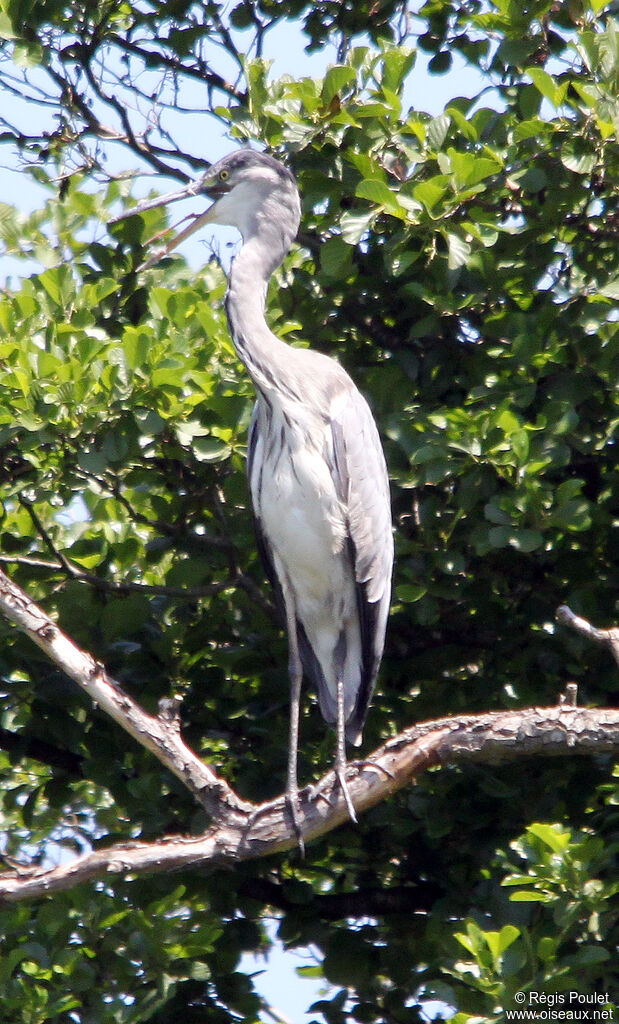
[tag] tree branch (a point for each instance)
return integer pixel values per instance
(264, 829)
(242, 830)
(334, 906)
(607, 637)
(157, 58)
(74, 572)
(160, 735)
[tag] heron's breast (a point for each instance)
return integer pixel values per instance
(295, 498)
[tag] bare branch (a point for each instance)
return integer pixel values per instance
(242, 830)
(158, 734)
(235, 578)
(157, 58)
(607, 637)
(63, 561)
(74, 572)
(265, 829)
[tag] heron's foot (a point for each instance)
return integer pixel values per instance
(340, 774)
(374, 766)
(258, 811)
(294, 810)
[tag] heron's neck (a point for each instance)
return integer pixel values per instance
(264, 355)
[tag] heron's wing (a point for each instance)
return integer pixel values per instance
(253, 466)
(361, 476)
(254, 471)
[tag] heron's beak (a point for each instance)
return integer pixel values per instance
(200, 187)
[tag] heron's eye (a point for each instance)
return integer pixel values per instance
(224, 175)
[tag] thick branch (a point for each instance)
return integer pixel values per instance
(242, 830)
(265, 829)
(160, 735)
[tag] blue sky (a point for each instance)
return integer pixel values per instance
(285, 48)
(276, 979)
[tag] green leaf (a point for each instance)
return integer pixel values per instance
(553, 836)
(336, 79)
(520, 445)
(409, 593)
(336, 257)
(469, 169)
(189, 572)
(57, 283)
(355, 225)
(93, 462)
(610, 290)
(379, 193)
(531, 179)
(533, 128)
(137, 343)
(458, 250)
(521, 539)
(547, 948)
(498, 942)
(126, 616)
(589, 956)
(257, 71)
(608, 49)
(547, 86)
(210, 449)
(28, 55)
(530, 896)
(440, 62)
(578, 157)
(397, 63)
(437, 130)
(430, 193)
(97, 292)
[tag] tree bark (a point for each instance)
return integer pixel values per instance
(242, 830)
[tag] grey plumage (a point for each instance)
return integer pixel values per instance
(316, 468)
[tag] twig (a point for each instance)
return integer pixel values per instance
(156, 57)
(231, 582)
(76, 572)
(37, 563)
(64, 562)
(169, 529)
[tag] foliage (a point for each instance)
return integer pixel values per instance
(464, 269)
(561, 944)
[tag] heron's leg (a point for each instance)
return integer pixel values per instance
(292, 785)
(340, 754)
(295, 671)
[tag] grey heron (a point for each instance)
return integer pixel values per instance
(316, 468)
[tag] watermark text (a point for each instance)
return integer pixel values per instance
(559, 1006)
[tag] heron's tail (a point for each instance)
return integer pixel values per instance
(354, 733)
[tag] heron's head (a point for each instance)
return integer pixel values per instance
(250, 191)
(246, 184)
